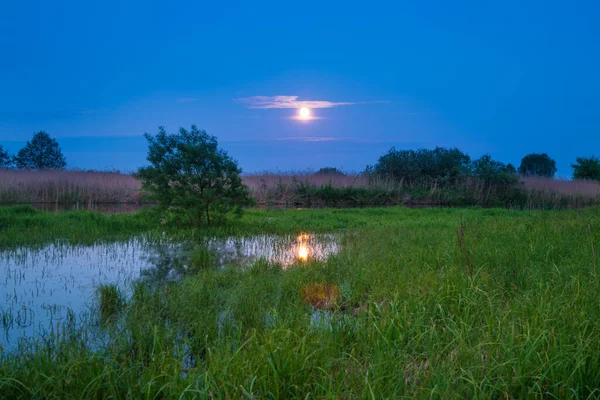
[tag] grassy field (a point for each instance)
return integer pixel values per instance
(86, 189)
(443, 303)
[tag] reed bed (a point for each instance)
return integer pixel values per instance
(256, 181)
(304, 189)
(562, 186)
(308, 189)
(546, 193)
(68, 187)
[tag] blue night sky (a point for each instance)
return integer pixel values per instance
(505, 79)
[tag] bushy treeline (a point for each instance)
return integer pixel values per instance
(433, 177)
(442, 166)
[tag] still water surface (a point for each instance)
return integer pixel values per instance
(44, 288)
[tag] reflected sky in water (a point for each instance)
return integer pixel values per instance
(43, 288)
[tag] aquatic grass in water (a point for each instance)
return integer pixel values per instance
(200, 258)
(43, 286)
(111, 301)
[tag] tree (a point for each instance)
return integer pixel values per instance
(586, 168)
(537, 164)
(191, 176)
(329, 171)
(440, 164)
(494, 173)
(6, 160)
(42, 152)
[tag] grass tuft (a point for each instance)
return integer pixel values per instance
(320, 295)
(111, 301)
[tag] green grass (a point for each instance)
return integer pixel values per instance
(502, 305)
(110, 301)
(24, 225)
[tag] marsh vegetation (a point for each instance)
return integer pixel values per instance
(119, 192)
(189, 173)
(414, 302)
(196, 297)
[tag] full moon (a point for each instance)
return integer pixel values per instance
(304, 113)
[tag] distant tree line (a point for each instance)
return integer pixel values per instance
(450, 166)
(42, 152)
(440, 165)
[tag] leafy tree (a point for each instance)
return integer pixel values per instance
(537, 164)
(494, 173)
(329, 171)
(6, 160)
(440, 164)
(191, 176)
(42, 152)
(586, 168)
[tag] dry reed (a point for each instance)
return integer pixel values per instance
(68, 187)
(303, 189)
(562, 186)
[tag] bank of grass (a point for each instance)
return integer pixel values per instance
(25, 225)
(443, 303)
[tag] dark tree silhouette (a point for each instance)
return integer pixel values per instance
(42, 152)
(329, 171)
(6, 161)
(494, 173)
(439, 164)
(537, 164)
(586, 168)
(190, 176)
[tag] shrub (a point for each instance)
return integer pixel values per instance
(330, 171)
(494, 173)
(410, 166)
(192, 177)
(537, 164)
(586, 168)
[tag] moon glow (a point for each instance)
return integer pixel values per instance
(304, 113)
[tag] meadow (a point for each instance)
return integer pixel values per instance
(442, 303)
(292, 189)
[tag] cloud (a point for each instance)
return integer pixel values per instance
(288, 102)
